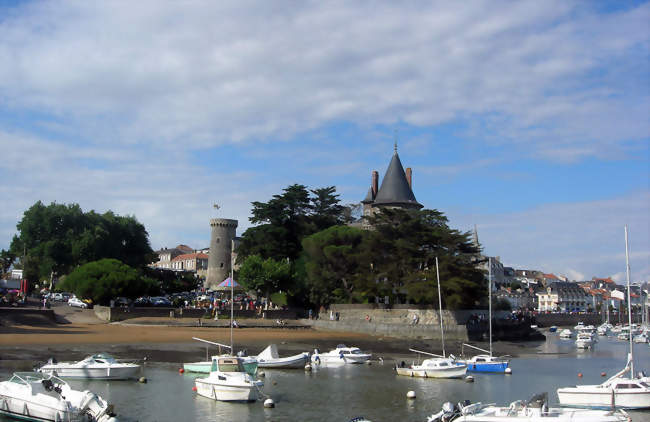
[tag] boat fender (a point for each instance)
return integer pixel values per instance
(269, 403)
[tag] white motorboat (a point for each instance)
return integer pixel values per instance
(341, 355)
(100, 366)
(228, 381)
(205, 366)
(34, 396)
(641, 338)
(625, 393)
(269, 358)
(534, 410)
(437, 367)
(584, 341)
(604, 329)
(566, 333)
(628, 393)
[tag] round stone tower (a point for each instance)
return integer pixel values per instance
(223, 232)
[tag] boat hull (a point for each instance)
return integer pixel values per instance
(297, 361)
(102, 373)
(497, 367)
(33, 411)
(593, 399)
(222, 392)
(451, 372)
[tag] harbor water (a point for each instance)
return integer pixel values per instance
(373, 391)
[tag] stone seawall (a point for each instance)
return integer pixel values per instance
(419, 331)
(567, 320)
(108, 314)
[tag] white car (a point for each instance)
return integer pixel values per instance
(73, 301)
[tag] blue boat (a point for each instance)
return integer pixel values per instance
(486, 363)
(552, 329)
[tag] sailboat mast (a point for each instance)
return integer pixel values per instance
(442, 331)
(232, 293)
(490, 300)
(629, 303)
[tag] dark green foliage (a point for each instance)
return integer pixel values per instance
(332, 264)
(265, 275)
(59, 237)
(395, 259)
(171, 281)
(286, 219)
(6, 259)
(502, 305)
(107, 279)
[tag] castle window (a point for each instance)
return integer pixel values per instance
(221, 266)
(218, 240)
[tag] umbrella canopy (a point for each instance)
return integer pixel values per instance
(227, 284)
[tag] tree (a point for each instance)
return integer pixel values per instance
(286, 219)
(265, 275)
(333, 264)
(106, 279)
(6, 260)
(57, 238)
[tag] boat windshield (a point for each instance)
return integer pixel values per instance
(230, 365)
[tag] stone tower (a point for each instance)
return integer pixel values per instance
(223, 232)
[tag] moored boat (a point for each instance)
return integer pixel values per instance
(534, 410)
(269, 358)
(228, 381)
(99, 366)
(341, 355)
(435, 367)
(34, 396)
(566, 333)
(584, 341)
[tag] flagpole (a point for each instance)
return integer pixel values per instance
(232, 293)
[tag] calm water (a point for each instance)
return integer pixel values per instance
(373, 391)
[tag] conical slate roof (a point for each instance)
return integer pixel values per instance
(368, 199)
(395, 189)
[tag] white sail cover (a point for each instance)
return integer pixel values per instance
(271, 352)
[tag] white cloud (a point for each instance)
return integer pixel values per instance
(579, 240)
(161, 72)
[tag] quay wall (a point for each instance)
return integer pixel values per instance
(109, 314)
(398, 321)
(567, 320)
(25, 315)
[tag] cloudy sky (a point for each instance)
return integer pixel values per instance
(529, 119)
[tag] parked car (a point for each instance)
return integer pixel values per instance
(78, 303)
(160, 301)
(57, 297)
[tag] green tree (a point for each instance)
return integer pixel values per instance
(59, 237)
(6, 260)
(326, 209)
(265, 275)
(333, 264)
(106, 279)
(402, 249)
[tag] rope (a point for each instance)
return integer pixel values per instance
(261, 393)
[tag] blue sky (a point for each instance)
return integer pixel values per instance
(529, 120)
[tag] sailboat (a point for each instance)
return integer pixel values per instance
(228, 379)
(438, 366)
(619, 392)
(487, 363)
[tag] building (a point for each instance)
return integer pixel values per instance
(222, 237)
(489, 264)
(196, 262)
(166, 256)
(563, 297)
(396, 190)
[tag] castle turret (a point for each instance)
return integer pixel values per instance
(223, 232)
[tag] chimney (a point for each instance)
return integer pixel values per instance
(375, 183)
(409, 174)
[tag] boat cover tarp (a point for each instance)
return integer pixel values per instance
(271, 352)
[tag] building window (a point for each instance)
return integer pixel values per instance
(218, 240)
(221, 266)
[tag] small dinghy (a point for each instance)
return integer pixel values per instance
(33, 396)
(269, 358)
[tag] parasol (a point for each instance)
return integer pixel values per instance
(229, 283)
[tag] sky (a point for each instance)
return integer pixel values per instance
(529, 120)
